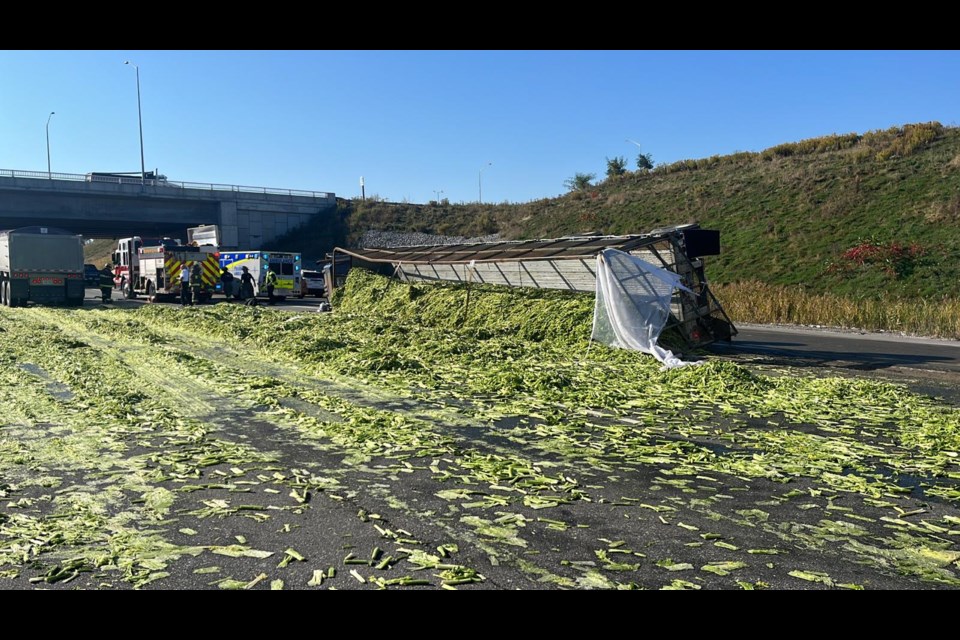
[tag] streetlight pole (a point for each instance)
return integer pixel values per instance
(49, 176)
(143, 170)
(480, 182)
(438, 194)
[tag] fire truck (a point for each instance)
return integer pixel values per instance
(126, 261)
(159, 273)
(153, 270)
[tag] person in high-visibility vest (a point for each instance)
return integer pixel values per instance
(271, 281)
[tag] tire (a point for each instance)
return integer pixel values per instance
(151, 292)
(4, 286)
(8, 297)
(128, 291)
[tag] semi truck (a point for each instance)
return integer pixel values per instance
(42, 265)
(287, 265)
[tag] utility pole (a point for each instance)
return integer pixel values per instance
(143, 169)
(49, 176)
(480, 182)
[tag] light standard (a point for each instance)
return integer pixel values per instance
(49, 177)
(438, 194)
(143, 171)
(480, 182)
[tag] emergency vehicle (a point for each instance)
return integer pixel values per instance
(126, 261)
(154, 271)
(159, 275)
(287, 266)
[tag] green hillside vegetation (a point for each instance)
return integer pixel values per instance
(99, 251)
(861, 215)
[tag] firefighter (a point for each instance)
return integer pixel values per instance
(106, 282)
(271, 281)
(185, 298)
(226, 279)
(246, 285)
(196, 282)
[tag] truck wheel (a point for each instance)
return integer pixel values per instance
(151, 292)
(3, 294)
(128, 291)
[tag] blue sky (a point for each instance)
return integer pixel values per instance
(414, 123)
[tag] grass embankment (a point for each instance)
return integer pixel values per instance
(99, 252)
(757, 302)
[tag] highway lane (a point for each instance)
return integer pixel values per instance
(847, 349)
(928, 366)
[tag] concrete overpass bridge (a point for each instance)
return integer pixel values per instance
(112, 206)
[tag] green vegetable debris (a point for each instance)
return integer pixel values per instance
(489, 450)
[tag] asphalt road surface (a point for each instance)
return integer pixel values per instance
(849, 349)
(926, 365)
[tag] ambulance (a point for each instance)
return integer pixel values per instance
(287, 265)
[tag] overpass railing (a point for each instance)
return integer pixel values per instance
(161, 182)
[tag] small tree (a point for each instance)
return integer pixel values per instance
(616, 166)
(644, 162)
(580, 181)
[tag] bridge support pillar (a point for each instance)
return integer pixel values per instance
(229, 231)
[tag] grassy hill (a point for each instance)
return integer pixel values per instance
(862, 215)
(99, 251)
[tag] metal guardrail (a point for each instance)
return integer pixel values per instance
(203, 186)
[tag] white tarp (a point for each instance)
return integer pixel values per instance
(633, 304)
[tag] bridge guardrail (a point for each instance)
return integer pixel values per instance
(203, 186)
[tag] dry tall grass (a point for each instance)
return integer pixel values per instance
(768, 304)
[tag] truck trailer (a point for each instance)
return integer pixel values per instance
(42, 265)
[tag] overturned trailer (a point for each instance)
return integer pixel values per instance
(571, 263)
